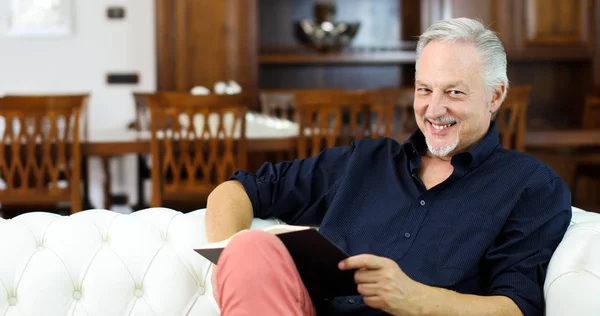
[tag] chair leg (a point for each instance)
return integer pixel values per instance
(107, 182)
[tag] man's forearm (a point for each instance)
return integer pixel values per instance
(442, 302)
(228, 211)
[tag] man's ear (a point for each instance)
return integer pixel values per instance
(496, 100)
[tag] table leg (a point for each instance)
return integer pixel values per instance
(85, 175)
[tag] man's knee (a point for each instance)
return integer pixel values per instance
(251, 245)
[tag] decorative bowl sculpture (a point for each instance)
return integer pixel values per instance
(323, 33)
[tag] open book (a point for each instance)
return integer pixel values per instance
(315, 256)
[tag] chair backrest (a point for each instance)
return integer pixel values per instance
(329, 118)
(197, 142)
(511, 118)
(591, 112)
(40, 157)
(279, 103)
(142, 116)
(401, 116)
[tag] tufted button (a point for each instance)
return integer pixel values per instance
(139, 293)
(12, 301)
(76, 294)
(201, 290)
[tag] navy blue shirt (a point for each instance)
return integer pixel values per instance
(489, 229)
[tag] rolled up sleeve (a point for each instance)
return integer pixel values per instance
(295, 191)
(518, 260)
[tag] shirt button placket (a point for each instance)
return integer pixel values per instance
(422, 202)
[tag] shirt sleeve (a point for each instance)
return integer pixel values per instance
(298, 191)
(519, 258)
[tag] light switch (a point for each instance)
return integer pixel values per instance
(115, 13)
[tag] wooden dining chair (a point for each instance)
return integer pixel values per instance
(400, 116)
(330, 118)
(511, 118)
(40, 156)
(278, 103)
(197, 142)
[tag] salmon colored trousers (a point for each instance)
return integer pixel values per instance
(257, 276)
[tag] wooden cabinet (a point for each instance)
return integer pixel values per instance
(561, 30)
(556, 23)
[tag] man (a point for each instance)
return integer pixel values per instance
(448, 223)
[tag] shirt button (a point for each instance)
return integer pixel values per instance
(422, 202)
(351, 301)
(407, 235)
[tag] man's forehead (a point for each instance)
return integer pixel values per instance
(445, 82)
(449, 58)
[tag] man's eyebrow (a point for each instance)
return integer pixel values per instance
(456, 84)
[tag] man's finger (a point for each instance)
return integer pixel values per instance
(368, 289)
(366, 276)
(370, 262)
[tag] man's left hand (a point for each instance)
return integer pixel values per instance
(384, 285)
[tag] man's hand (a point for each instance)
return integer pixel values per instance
(384, 285)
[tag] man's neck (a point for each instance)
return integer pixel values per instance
(438, 159)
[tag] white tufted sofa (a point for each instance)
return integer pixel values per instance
(98, 262)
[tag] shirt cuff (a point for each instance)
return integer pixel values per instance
(528, 296)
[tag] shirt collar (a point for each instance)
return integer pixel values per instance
(468, 160)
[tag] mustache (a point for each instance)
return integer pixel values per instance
(443, 119)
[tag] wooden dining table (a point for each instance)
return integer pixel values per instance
(269, 134)
(123, 141)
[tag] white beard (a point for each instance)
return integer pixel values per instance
(444, 150)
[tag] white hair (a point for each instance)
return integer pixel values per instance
(471, 31)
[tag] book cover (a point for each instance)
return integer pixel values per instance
(315, 256)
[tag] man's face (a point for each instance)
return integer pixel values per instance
(452, 107)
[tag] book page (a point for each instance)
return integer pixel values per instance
(279, 229)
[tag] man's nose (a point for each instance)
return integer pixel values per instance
(436, 107)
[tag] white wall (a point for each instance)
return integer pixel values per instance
(80, 63)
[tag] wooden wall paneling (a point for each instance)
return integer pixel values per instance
(206, 43)
(410, 13)
(165, 41)
(596, 21)
(202, 42)
(242, 51)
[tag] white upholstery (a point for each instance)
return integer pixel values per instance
(573, 281)
(98, 262)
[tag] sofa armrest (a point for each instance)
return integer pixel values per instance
(573, 278)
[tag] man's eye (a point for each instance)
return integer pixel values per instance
(455, 93)
(423, 90)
